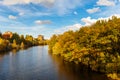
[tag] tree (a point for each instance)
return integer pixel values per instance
(15, 37)
(14, 44)
(22, 45)
(4, 44)
(0, 34)
(29, 40)
(52, 42)
(96, 46)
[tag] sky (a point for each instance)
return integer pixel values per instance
(48, 17)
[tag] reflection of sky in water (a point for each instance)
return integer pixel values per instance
(36, 64)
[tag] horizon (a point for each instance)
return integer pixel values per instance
(48, 17)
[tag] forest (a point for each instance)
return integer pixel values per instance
(96, 46)
(9, 41)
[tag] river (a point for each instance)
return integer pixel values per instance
(36, 63)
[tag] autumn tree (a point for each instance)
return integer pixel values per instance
(14, 44)
(0, 34)
(15, 37)
(96, 46)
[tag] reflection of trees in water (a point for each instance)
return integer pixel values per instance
(12, 52)
(1, 55)
(71, 71)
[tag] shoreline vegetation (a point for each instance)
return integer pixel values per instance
(10, 41)
(96, 46)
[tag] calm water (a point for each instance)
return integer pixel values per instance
(37, 64)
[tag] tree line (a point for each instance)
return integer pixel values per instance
(17, 41)
(96, 46)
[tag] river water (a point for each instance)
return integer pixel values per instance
(37, 64)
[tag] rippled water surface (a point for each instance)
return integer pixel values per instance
(37, 64)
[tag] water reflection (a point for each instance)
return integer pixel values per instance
(36, 64)
(70, 71)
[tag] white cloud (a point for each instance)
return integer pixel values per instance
(6, 22)
(28, 12)
(110, 17)
(14, 2)
(40, 22)
(117, 15)
(21, 14)
(73, 27)
(39, 14)
(66, 28)
(60, 7)
(12, 17)
(64, 6)
(75, 13)
(110, 10)
(106, 3)
(88, 21)
(93, 10)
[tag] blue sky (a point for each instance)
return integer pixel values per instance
(48, 17)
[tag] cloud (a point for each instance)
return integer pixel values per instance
(93, 10)
(110, 17)
(21, 14)
(6, 22)
(60, 7)
(41, 22)
(27, 11)
(64, 6)
(88, 21)
(14, 2)
(73, 27)
(40, 14)
(66, 28)
(75, 13)
(110, 10)
(105, 3)
(12, 17)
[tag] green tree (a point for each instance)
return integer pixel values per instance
(15, 37)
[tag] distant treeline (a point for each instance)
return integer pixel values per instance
(9, 41)
(96, 46)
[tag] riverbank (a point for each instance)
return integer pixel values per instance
(9, 41)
